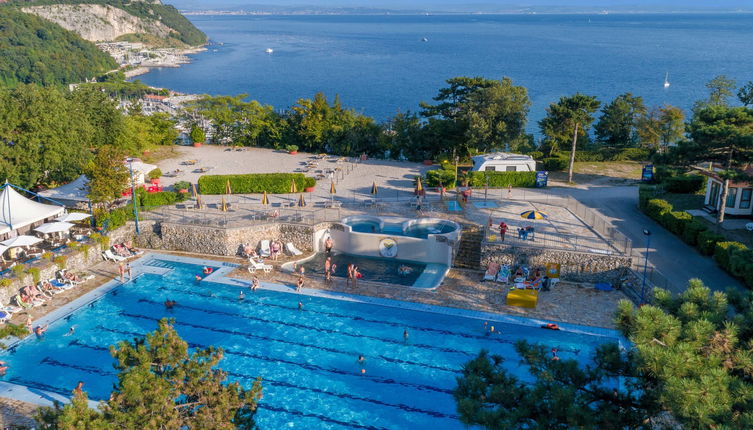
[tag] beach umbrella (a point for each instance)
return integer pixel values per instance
(54, 227)
(264, 199)
(228, 190)
(223, 204)
(374, 188)
(419, 186)
(332, 192)
(301, 201)
(73, 217)
(197, 196)
(22, 240)
(293, 188)
(534, 215)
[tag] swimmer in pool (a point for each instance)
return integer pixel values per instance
(361, 359)
(405, 335)
(241, 296)
(71, 331)
(300, 306)
(255, 284)
(39, 331)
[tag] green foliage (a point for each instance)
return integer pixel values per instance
(663, 172)
(47, 256)
(107, 174)
(502, 179)
(85, 250)
(38, 51)
(34, 272)
(656, 208)
(646, 193)
(562, 394)
(558, 127)
(273, 183)
(161, 198)
(691, 231)
(19, 271)
(182, 185)
(554, 164)
(660, 127)
(155, 173)
(685, 184)
(240, 122)
(676, 221)
(441, 177)
(723, 252)
(5, 282)
(197, 134)
(291, 148)
(707, 241)
(694, 350)
(60, 261)
(114, 218)
(536, 155)
(619, 121)
(161, 385)
(13, 330)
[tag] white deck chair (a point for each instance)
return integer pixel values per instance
(292, 250)
(108, 255)
(264, 249)
(253, 266)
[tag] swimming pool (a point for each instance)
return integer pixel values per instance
(419, 228)
(307, 358)
(373, 269)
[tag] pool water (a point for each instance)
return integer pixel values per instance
(373, 269)
(307, 358)
(421, 231)
(454, 206)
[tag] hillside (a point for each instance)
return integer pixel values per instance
(110, 20)
(35, 50)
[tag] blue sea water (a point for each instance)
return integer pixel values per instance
(307, 358)
(379, 64)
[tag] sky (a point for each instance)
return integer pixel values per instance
(471, 5)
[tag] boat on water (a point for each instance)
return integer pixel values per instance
(269, 50)
(424, 39)
(666, 80)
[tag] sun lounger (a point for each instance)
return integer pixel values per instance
(60, 284)
(491, 272)
(504, 274)
(292, 250)
(10, 309)
(253, 266)
(109, 256)
(264, 250)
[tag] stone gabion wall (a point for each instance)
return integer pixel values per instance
(575, 266)
(221, 241)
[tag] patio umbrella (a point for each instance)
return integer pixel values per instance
(293, 188)
(301, 201)
(534, 215)
(223, 205)
(332, 192)
(22, 240)
(374, 188)
(197, 196)
(73, 217)
(419, 186)
(264, 199)
(54, 227)
(228, 190)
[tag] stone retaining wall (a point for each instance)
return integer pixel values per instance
(575, 266)
(221, 241)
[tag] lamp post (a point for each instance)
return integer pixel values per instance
(647, 233)
(133, 196)
(486, 189)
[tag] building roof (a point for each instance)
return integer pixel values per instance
(502, 156)
(713, 174)
(17, 211)
(75, 191)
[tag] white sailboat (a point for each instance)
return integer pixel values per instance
(269, 50)
(666, 80)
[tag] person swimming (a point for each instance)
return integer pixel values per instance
(405, 335)
(361, 359)
(71, 331)
(554, 354)
(40, 330)
(169, 304)
(241, 296)
(404, 270)
(255, 284)
(198, 278)
(300, 306)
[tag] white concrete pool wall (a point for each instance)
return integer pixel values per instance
(435, 249)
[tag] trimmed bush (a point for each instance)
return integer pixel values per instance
(273, 183)
(182, 185)
(656, 208)
(60, 261)
(662, 173)
(161, 198)
(440, 177)
(691, 232)
(502, 179)
(646, 193)
(685, 184)
(554, 164)
(155, 173)
(723, 252)
(741, 265)
(707, 241)
(197, 135)
(676, 221)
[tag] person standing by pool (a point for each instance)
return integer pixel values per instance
(129, 271)
(29, 323)
(356, 275)
(328, 244)
(349, 279)
(509, 191)
(328, 269)
(121, 271)
(79, 390)
(299, 284)
(255, 284)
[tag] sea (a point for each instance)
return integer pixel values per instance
(382, 64)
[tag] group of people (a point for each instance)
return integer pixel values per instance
(523, 232)
(34, 295)
(125, 249)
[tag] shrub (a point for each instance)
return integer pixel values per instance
(19, 271)
(502, 179)
(273, 183)
(291, 148)
(646, 193)
(707, 241)
(631, 154)
(114, 218)
(85, 250)
(554, 164)
(60, 261)
(656, 208)
(441, 177)
(182, 185)
(691, 231)
(161, 198)
(723, 253)
(662, 173)
(685, 184)
(197, 134)
(155, 173)
(35, 274)
(676, 221)
(536, 155)
(741, 264)
(48, 256)
(101, 240)
(5, 283)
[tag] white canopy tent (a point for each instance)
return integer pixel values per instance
(17, 211)
(54, 227)
(22, 240)
(73, 217)
(75, 191)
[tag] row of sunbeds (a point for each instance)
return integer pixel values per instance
(36, 295)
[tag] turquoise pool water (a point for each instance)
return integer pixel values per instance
(421, 231)
(307, 358)
(373, 269)
(454, 206)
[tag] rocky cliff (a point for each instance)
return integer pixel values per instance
(99, 23)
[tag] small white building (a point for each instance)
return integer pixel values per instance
(739, 198)
(504, 162)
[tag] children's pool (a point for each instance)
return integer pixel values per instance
(384, 270)
(419, 228)
(307, 358)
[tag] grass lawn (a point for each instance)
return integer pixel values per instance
(607, 172)
(683, 202)
(160, 153)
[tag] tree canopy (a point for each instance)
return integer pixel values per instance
(619, 121)
(161, 385)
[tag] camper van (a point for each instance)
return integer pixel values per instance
(503, 162)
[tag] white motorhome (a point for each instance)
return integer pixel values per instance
(504, 162)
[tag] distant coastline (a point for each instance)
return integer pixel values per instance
(359, 12)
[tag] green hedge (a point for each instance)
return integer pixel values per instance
(161, 198)
(273, 183)
(691, 232)
(502, 179)
(741, 265)
(114, 218)
(676, 221)
(536, 155)
(723, 252)
(154, 173)
(554, 164)
(656, 208)
(707, 241)
(684, 184)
